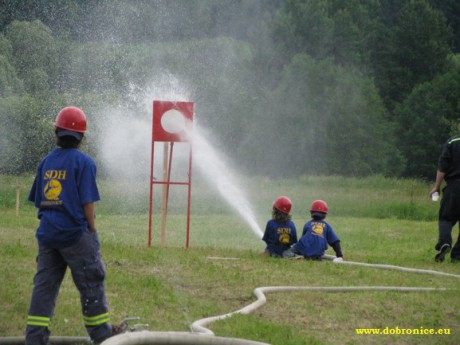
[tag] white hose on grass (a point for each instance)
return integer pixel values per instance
(199, 326)
(174, 338)
(202, 336)
(391, 267)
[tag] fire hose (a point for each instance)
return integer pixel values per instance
(199, 326)
(201, 335)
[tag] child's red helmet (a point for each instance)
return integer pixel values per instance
(283, 204)
(319, 206)
(72, 119)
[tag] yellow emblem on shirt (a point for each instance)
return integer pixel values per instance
(317, 228)
(53, 189)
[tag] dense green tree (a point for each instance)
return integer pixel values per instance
(10, 84)
(327, 29)
(324, 119)
(413, 51)
(388, 12)
(26, 132)
(427, 118)
(34, 53)
(271, 86)
(5, 47)
(62, 16)
(26, 127)
(150, 21)
(451, 10)
(404, 42)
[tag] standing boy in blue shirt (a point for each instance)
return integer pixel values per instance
(64, 191)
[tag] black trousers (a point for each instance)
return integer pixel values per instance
(449, 215)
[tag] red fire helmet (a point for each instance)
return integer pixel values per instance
(319, 206)
(283, 204)
(72, 119)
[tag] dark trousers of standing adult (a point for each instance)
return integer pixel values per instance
(449, 215)
(88, 273)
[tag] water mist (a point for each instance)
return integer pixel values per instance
(125, 154)
(216, 172)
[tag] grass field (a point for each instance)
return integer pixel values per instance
(385, 221)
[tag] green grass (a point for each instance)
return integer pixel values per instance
(371, 197)
(379, 220)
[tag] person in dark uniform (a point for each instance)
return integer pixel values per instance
(64, 191)
(449, 211)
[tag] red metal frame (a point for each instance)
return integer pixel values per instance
(158, 134)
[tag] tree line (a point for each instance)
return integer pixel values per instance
(288, 87)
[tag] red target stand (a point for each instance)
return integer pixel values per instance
(172, 122)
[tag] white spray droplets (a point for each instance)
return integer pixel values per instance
(213, 167)
(125, 147)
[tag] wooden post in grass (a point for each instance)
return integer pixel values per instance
(164, 206)
(18, 194)
(17, 186)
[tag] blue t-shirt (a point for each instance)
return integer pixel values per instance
(65, 181)
(316, 236)
(279, 236)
